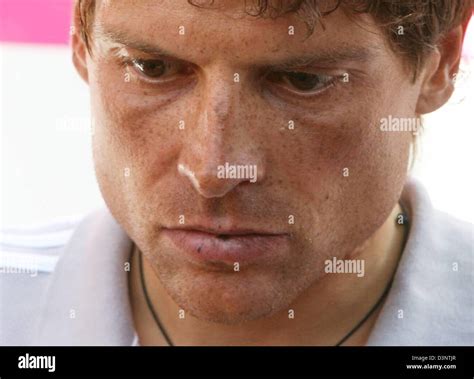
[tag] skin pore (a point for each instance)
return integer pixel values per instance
(302, 171)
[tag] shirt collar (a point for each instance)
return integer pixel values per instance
(88, 299)
(419, 309)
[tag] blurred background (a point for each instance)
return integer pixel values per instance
(46, 162)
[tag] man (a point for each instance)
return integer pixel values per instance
(255, 194)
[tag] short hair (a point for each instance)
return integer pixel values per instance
(412, 27)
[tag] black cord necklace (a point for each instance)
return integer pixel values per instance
(150, 305)
(344, 339)
(367, 316)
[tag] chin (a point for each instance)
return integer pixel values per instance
(229, 298)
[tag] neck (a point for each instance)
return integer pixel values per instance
(323, 314)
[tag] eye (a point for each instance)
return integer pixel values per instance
(159, 70)
(301, 81)
(150, 68)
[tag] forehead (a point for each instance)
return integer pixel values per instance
(227, 29)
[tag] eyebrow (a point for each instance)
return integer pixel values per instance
(342, 54)
(121, 38)
(336, 55)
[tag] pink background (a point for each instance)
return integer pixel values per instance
(35, 21)
(48, 22)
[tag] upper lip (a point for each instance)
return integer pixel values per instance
(226, 231)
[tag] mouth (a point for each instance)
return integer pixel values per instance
(233, 245)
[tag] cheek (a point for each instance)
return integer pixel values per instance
(337, 142)
(347, 169)
(326, 153)
(136, 136)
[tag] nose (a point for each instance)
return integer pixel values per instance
(220, 151)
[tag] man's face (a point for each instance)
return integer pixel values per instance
(327, 176)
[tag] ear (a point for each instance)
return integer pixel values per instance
(439, 71)
(79, 49)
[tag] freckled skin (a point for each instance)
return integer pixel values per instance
(300, 171)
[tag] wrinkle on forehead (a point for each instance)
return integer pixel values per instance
(231, 16)
(209, 35)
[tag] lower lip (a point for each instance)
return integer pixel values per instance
(237, 248)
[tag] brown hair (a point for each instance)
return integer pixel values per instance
(412, 27)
